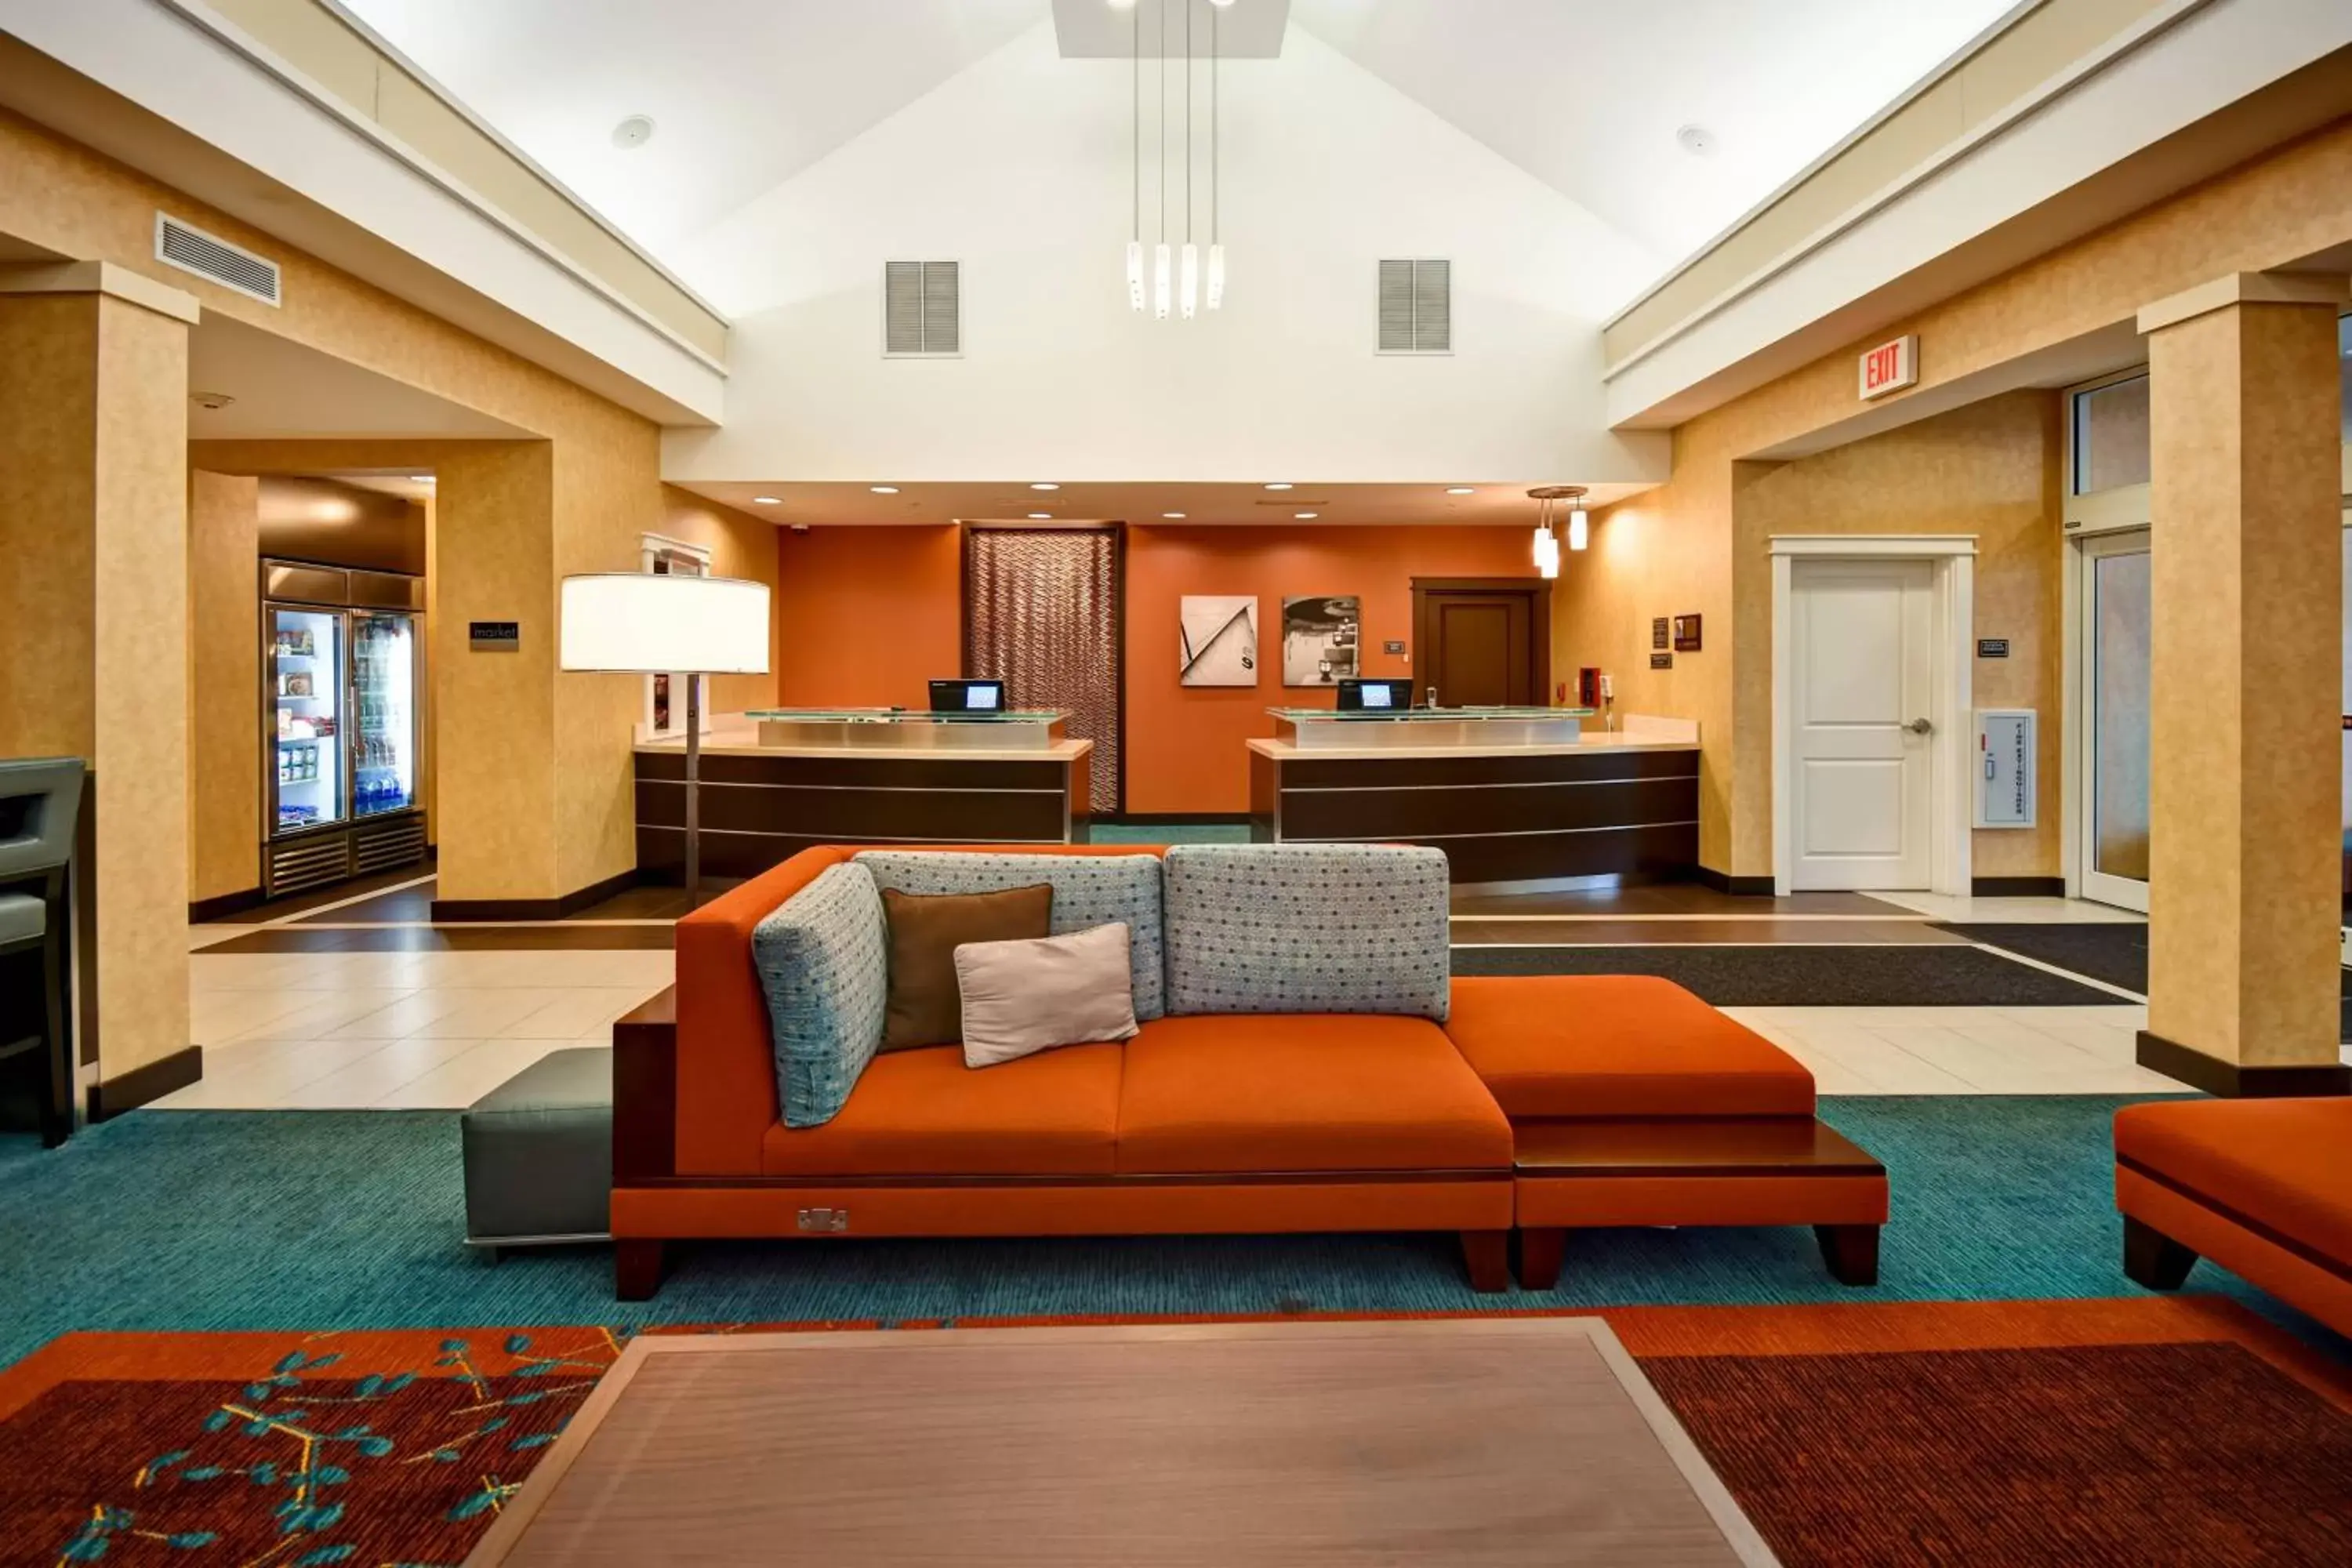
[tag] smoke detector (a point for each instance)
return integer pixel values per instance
(1695, 140)
(635, 132)
(215, 401)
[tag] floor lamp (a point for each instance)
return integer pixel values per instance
(651, 624)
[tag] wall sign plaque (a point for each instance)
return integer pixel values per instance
(1685, 634)
(494, 637)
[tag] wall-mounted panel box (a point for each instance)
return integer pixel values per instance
(2008, 741)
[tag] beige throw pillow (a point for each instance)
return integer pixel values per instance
(1022, 997)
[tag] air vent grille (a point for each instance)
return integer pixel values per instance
(308, 863)
(380, 847)
(209, 256)
(922, 309)
(1417, 306)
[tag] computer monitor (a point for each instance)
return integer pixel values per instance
(966, 697)
(1374, 696)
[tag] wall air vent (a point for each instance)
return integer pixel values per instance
(208, 255)
(922, 310)
(1416, 306)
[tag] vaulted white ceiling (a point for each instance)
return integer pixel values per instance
(1587, 95)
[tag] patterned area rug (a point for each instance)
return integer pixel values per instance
(2143, 1431)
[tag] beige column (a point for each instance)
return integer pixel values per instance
(93, 628)
(2245, 750)
(225, 636)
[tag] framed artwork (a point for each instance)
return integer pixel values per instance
(1319, 638)
(1219, 637)
(1687, 634)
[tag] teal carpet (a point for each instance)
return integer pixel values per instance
(335, 1219)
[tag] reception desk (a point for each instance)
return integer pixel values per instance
(1517, 798)
(776, 782)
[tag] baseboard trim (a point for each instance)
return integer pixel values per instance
(1723, 883)
(455, 911)
(2018, 887)
(1171, 818)
(203, 911)
(109, 1098)
(2229, 1080)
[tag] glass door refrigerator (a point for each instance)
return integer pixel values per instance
(341, 675)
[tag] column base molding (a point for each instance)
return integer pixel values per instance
(565, 908)
(109, 1098)
(2230, 1080)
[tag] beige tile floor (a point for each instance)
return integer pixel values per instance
(427, 1030)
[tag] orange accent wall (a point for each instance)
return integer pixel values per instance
(865, 617)
(1185, 749)
(868, 615)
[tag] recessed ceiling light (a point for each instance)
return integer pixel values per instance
(1040, 516)
(1697, 140)
(884, 489)
(768, 500)
(1222, 4)
(1173, 516)
(1279, 485)
(1044, 485)
(1122, 4)
(1459, 490)
(1307, 516)
(213, 400)
(635, 132)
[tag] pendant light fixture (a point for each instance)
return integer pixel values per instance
(1177, 280)
(1548, 500)
(1191, 270)
(1135, 239)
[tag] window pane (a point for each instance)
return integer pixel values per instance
(2119, 723)
(2111, 436)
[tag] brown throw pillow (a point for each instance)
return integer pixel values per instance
(924, 1008)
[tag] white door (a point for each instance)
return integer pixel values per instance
(2116, 619)
(1861, 687)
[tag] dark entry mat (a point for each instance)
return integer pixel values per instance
(1808, 976)
(2116, 953)
(2113, 951)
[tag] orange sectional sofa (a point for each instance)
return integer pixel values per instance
(1641, 1105)
(2262, 1187)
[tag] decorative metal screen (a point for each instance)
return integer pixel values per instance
(1042, 615)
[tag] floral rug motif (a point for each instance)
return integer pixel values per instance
(1995, 1432)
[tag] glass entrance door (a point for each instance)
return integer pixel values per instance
(2117, 616)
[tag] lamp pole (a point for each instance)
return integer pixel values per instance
(693, 792)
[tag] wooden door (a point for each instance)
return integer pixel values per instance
(1482, 642)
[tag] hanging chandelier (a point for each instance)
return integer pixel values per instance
(1551, 500)
(1175, 275)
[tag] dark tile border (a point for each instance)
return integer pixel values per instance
(204, 911)
(1173, 818)
(2229, 1080)
(2017, 886)
(571, 903)
(1723, 883)
(111, 1097)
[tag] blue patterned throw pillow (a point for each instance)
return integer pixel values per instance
(1089, 891)
(1307, 928)
(820, 957)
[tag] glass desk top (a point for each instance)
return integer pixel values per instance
(900, 716)
(1425, 715)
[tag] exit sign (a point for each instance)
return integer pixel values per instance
(1890, 367)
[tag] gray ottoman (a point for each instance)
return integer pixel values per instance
(539, 1153)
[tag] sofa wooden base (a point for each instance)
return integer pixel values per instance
(1583, 1175)
(2153, 1259)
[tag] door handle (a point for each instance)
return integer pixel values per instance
(1920, 727)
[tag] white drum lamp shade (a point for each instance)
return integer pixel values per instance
(649, 623)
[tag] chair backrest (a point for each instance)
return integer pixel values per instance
(40, 800)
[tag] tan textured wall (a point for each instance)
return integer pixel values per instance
(600, 493)
(225, 784)
(743, 546)
(2246, 663)
(1991, 469)
(93, 623)
(2291, 204)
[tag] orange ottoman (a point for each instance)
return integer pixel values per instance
(1633, 1103)
(2262, 1187)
